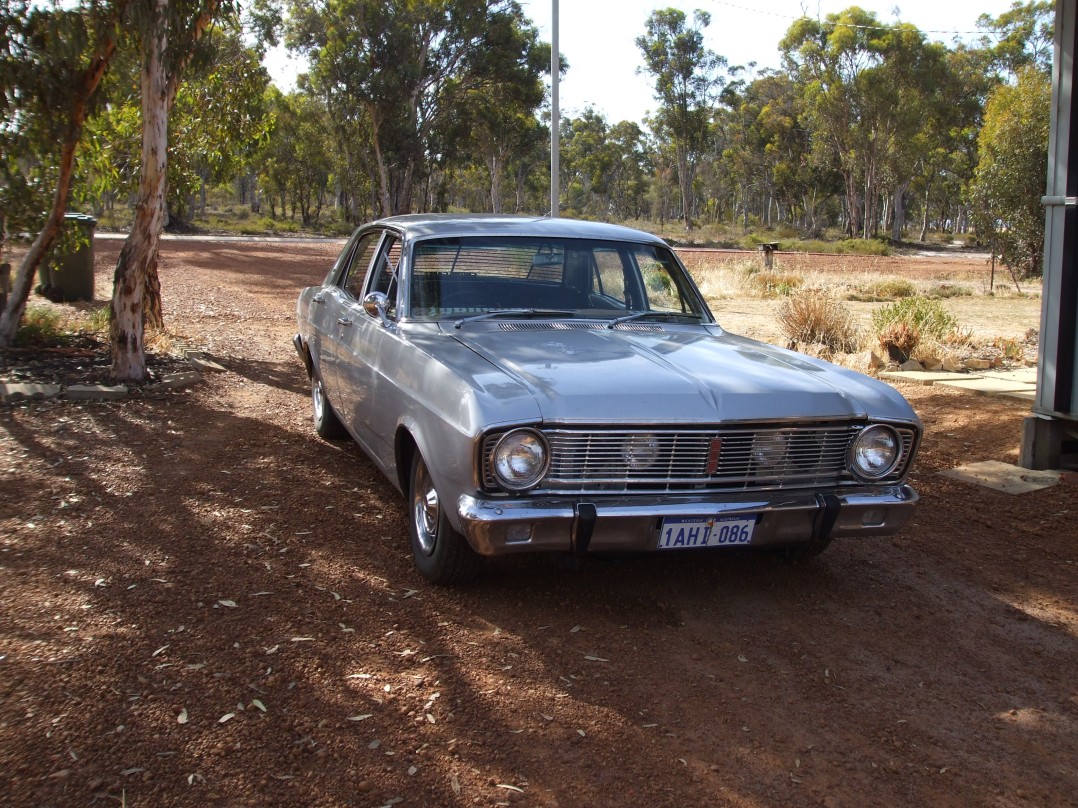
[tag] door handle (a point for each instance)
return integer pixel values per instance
(320, 298)
(343, 321)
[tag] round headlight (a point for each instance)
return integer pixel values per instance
(640, 451)
(519, 459)
(875, 452)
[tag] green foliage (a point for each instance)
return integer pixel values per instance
(97, 320)
(686, 77)
(815, 318)
(926, 317)
(298, 159)
(216, 123)
(1021, 37)
(1010, 178)
(44, 52)
(396, 77)
(869, 91)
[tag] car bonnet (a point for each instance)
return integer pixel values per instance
(588, 373)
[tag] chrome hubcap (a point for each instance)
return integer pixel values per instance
(426, 509)
(317, 398)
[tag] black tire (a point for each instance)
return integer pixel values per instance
(326, 422)
(441, 554)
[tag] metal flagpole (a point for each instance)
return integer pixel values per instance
(555, 112)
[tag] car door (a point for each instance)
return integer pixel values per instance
(361, 349)
(338, 310)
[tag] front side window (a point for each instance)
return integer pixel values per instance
(384, 272)
(453, 277)
(356, 274)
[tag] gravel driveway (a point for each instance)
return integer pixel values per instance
(204, 604)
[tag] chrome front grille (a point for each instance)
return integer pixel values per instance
(722, 458)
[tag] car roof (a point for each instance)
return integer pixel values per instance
(423, 225)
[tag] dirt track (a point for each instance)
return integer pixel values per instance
(207, 605)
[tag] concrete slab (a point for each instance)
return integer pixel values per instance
(94, 392)
(923, 377)
(203, 363)
(1023, 395)
(1027, 375)
(1004, 477)
(13, 393)
(986, 387)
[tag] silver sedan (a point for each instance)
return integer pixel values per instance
(553, 385)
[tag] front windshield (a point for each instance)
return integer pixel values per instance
(458, 277)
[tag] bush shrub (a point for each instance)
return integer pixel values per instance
(814, 317)
(892, 288)
(925, 316)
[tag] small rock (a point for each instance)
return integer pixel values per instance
(973, 363)
(952, 364)
(911, 364)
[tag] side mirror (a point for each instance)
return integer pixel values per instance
(375, 304)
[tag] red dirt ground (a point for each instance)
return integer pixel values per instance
(204, 604)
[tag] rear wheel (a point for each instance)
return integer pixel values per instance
(441, 554)
(326, 422)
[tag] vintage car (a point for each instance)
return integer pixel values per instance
(555, 385)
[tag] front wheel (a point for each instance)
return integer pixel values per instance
(326, 422)
(441, 554)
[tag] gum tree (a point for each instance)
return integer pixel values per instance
(687, 79)
(52, 62)
(168, 32)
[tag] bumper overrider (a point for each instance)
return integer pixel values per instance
(633, 524)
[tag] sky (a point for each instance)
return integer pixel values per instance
(598, 40)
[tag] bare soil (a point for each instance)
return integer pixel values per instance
(204, 604)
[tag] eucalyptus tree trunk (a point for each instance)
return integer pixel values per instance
(898, 223)
(136, 293)
(138, 257)
(685, 177)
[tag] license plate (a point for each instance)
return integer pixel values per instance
(677, 534)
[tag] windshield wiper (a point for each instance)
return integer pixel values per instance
(665, 315)
(513, 313)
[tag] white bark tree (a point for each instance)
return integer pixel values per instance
(170, 33)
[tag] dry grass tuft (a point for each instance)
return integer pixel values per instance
(815, 318)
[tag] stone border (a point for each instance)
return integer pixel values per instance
(200, 363)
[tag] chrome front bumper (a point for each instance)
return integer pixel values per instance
(631, 523)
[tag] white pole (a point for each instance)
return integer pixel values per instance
(555, 112)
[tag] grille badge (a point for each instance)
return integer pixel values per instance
(713, 453)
